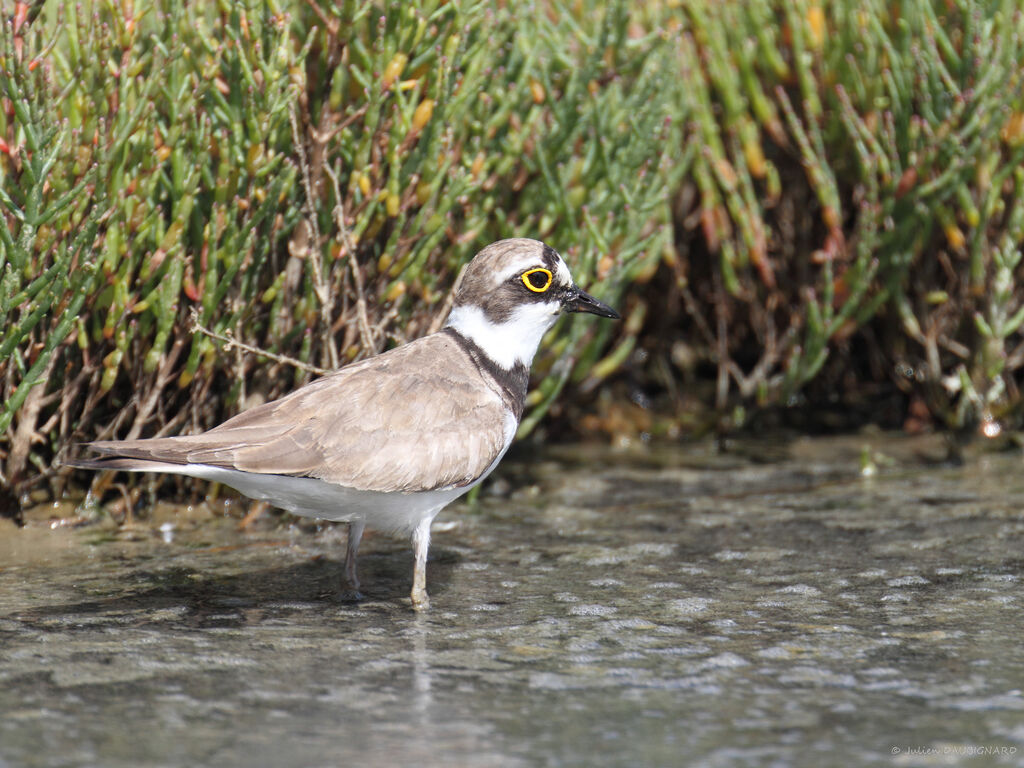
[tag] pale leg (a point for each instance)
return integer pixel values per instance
(355, 534)
(420, 543)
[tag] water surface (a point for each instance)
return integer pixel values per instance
(769, 606)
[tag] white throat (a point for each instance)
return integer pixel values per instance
(514, 341)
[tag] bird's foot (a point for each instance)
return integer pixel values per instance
(420, 599)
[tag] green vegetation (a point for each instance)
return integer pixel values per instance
(859, 179)
(772, 192)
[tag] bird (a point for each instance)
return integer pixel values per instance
(387, 442)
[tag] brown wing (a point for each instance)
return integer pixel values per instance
(416, 418)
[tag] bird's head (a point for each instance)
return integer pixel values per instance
(511, 294)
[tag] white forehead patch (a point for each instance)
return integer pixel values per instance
(564, 276)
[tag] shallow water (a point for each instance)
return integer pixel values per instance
(769, 606)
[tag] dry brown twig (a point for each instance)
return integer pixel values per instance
(231, 342)
(366, 336)
(163, 377)
(311, 178)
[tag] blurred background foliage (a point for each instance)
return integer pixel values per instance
(793, 203)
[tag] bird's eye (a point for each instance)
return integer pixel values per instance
(537, 280)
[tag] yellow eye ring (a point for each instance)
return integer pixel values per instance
(533, 286)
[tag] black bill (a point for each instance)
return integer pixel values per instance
(581, 301)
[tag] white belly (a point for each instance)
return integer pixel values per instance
(308, 497)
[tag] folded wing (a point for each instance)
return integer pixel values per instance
(413, 419)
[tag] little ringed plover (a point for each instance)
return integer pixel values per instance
(389, 441)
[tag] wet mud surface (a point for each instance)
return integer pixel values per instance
(768, 606)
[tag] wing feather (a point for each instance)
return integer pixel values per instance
(413, 419)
